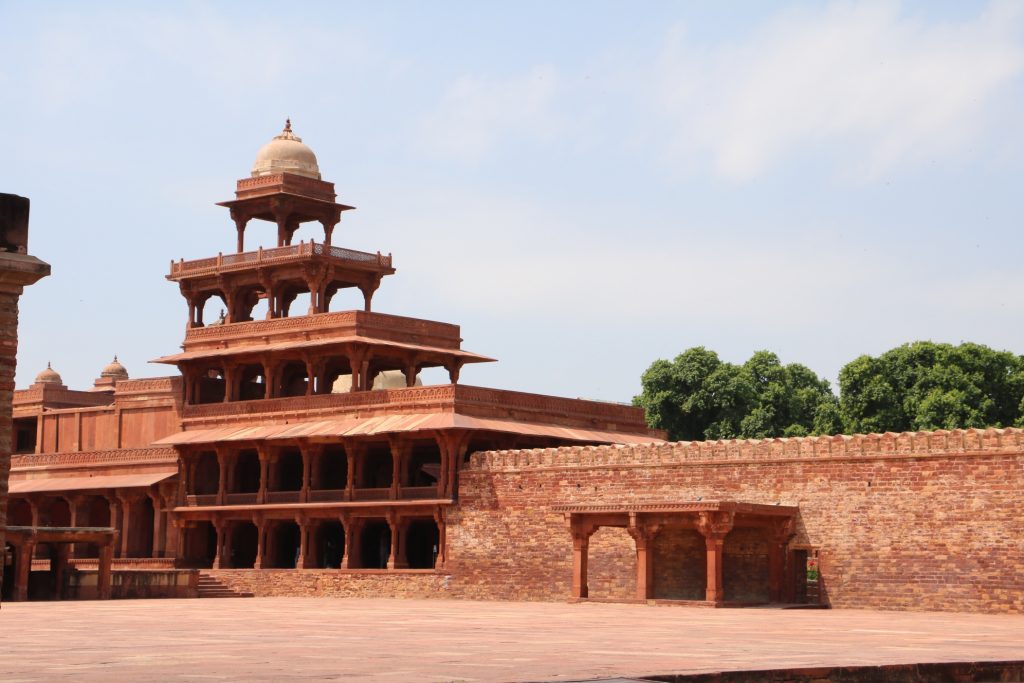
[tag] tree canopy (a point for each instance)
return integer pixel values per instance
(918, 386)
(698, 396)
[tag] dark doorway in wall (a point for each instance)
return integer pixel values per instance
(421, 544)
(375, 545)
(247, 472)
(244, 542)
(285, 544)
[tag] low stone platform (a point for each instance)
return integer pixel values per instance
(291, 639)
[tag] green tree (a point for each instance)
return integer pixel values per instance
(698, 396)
(925, 385)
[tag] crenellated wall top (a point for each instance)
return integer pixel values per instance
(905, 444)
(106, 457)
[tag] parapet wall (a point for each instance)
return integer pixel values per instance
(928, 520)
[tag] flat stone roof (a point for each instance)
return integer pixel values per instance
(290, 639)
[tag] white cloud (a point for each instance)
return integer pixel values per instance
(476, 114)
(884, 87)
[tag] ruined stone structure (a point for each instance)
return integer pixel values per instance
(298, 454)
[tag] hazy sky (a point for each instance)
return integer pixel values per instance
(583, 186)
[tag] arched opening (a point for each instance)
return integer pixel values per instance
(251, 382)
(375, 545)
(250, 304)
(293, 298)
(337, 377)
(376, 469)
(421, 544)
(19, 512)
(333, 469)
(342, 297)
(288, 470)
(680, 564)
(210, 386)
(284, 544)
(207, 479)
(247, 472)
(200, 545)
(56, 513)
(140, 540)
(244, 544)
(424, 465)
(211, 309)
(294, 379)
(96, 511)
(328, 544)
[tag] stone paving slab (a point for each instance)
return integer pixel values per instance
(292, 639)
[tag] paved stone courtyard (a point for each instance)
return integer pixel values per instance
(284, 639)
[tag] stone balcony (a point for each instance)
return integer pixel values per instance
(292, 253)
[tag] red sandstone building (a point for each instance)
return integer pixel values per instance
(297, 453)
(303, 439)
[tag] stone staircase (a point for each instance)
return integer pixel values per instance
(212, 587)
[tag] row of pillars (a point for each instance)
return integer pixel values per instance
(351, 547)
(713, 525)
(123, 505)
(25, 550)
(319, 374)
(452, 448)
(287, 222)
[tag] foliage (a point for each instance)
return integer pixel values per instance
(698, 396)
(925, 385)
(918, 386)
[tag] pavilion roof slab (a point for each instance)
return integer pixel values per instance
(396, 424)
(761, 509)
(88, 482)
(258, 349)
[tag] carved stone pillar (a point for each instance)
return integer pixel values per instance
(581, 533)
(441, 560)
(219, 561)
(303, 522)
(353, 542)
(400, 450)
(395, 525)
(103, 579)
(261, 540)
(714, 526)
(222, 475)
(643, 535)
(264, 456)
(23, 569)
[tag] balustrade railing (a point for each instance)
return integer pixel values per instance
(240, 499)
(201, 499)
(418, 492)
(283, 496)
(371, 494)
(277, 254)
(326, 495)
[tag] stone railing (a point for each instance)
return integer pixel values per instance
(905, 444)
(276, 255)
(506, 404)
(290, 182)
(79, 458)
(398, 328)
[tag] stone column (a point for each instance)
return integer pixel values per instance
(126, 518)
(303, 523)
(353, 548)
(221, 528)
(714, 526)
(442, 550)
(309, 454)
(222, 475)
(581, 533)
(261, 540)
(395, 525)
(643, 536)
(59, 568)
(23, 569)
(159, 525)
(103, 575)
(399, 455)
(17, 270)
(264, 456)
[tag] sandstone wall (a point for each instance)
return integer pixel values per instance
(364, 583)
(903, 521)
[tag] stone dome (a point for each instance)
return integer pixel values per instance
(48, 376)
(286, 153)
(114, 370)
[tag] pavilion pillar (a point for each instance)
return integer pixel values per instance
(396, 524)
(353, 527)
(399, 456)
(220, 526)
(303, 522)
(159, 525)
(60, 568)
(33, 507)
(442, 551)
(453, 368)
(410, 374)
(23, 569)
(264, 457)
(103, 574)
(126, 519)
(261, 540)
(115, 520)
(230, 382)
(715, 526)
(222, 475)
(643, 536)
(73, 501)
(780, 531)
(368, 289)
(240, 222)
(354, 452)
(581, 534)
(309, 454)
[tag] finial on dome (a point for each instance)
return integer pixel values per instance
(288, 125)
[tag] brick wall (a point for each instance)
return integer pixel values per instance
(903, 521)
(8, 351)
(334, 583)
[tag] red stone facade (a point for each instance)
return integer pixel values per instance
(928, 520)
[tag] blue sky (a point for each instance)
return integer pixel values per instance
(584, 187)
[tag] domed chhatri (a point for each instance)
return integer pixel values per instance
(49, 376)
(286, 153)
(114, 370)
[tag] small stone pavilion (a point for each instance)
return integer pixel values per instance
(298, 433)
